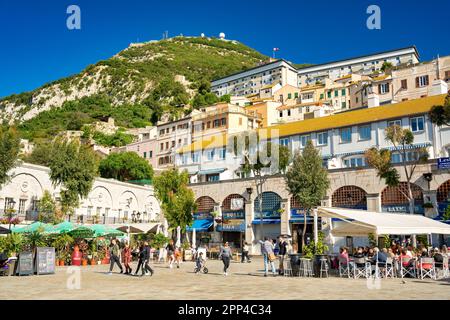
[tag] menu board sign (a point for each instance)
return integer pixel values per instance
(45, 260)
(25, 264)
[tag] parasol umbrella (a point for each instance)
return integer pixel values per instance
(178, 243)
(36, 226)
(101, 230)
(62, 227)
(130, 230)
(82, 232)
(193, 238)
(4, 230)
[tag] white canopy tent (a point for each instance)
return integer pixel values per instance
(361, 223)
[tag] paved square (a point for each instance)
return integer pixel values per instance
(245, 281)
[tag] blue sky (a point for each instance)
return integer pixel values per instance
(37, 47)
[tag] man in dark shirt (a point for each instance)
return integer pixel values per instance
(146, 259)
(282, 254)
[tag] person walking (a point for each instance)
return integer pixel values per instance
(225, 256)
(171, 252)
(126, 258)
(245, 256)
(146, 269)
(268, 255)
(281, 255)
(114, 257)
(140, 258)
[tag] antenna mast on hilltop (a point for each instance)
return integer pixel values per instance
(165, 35)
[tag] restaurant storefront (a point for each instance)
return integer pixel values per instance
(269, 216)
(393, 199)
(232, 224)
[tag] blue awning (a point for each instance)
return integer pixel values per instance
(267, 221)
(211, 171)
(200, 225)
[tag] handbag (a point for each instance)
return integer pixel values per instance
(272, 257)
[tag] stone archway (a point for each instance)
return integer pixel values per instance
(443, 196)
(393, 199)
(350, 197)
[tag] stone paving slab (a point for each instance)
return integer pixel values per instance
(245, 281)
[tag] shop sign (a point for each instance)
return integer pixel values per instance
(268, 215)
(402, 208)
(233, 215)
(443, 163)
(203, 216)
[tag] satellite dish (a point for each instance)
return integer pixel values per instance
(222, 35)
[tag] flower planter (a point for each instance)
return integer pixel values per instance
(84, 262)
(93, 262)
(61, 263)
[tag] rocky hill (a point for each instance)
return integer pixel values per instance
(146, 78)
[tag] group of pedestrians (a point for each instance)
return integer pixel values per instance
(125, 255)
(270, 249)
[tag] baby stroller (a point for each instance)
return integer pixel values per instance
(202, 267)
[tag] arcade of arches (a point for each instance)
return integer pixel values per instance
(357, 189)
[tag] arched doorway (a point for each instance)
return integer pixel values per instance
(393, 199)
(270, 214)
(443, 196)
(232, 223)
(350, 197)
(203, 219)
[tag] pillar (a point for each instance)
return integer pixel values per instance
(374, 202)
(285, 216)
(326, 201)
(249, 216)
(430, 196)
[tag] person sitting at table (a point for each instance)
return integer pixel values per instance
(343, 254)
(359, 255)
(405, 258)
(410, 251)
(370, 253)
(438, 257)
(391, 253)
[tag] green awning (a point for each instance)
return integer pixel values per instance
(82, 232)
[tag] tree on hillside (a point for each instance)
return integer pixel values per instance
(9, 152)
(261, 160)
(74, 168)
(409, 155)
(440, 114)
(125, 166)
(41, 155)
(177, 200)
(307, 180)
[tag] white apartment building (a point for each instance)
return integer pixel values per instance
(363, 65)
(251, 81)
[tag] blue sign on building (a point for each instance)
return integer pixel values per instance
(268, 215)
(233, 215)
(443, 163)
